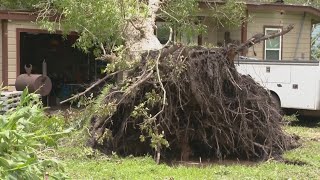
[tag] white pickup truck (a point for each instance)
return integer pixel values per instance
(294, 84)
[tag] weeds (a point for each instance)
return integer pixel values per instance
(25, 134)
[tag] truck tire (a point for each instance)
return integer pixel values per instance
(276, 100)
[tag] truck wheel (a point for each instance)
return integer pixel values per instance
(276, 100)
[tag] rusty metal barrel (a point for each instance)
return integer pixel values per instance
(36, 83)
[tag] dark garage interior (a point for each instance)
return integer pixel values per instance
(69, 68)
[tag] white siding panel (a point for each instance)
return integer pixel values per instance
(12, 55)
(12, 62)
(12, 67)
(12, 48)
(11, 81)
(12, 75)
(12, 40)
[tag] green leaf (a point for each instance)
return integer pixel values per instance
(4, 163)
(5, 133)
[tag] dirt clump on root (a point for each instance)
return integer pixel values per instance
(189, 102)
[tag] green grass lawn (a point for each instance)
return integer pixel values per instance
(79, 166)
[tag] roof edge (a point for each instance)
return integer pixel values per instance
(285, 7)
(18, 15)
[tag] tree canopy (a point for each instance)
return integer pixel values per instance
(105, 22)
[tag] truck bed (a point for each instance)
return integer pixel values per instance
(296, 83)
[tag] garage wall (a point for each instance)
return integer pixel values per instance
(260, 19)
(12, 47)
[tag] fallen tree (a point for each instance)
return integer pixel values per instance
(178, 102)
(182, 102)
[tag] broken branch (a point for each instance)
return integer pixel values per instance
(90, 88)
(254, 40)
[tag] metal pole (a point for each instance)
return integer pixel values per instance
(44, 68)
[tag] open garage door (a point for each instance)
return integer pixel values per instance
(69, 68)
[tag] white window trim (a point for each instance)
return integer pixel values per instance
(266, 41)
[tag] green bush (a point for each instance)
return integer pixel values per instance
(26, 132)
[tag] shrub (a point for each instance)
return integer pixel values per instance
(25, 132)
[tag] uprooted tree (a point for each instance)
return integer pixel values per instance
(189, 102)
(172, 101)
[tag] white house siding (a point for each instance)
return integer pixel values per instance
(260, 19)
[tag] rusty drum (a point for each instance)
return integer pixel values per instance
(36, 83)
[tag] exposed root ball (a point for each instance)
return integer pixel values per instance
(190, 102)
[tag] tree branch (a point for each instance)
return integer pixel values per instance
(90, 88)
(103, 49)
(170, 37)
(108, 57)
(256, 39)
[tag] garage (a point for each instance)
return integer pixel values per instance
(69, 68)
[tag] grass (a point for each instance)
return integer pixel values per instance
(145, 168)
(84, 163)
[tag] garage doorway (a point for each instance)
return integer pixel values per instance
(69, 69)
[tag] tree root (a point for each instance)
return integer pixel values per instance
(191, 102)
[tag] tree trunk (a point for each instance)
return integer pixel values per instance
(140, 35)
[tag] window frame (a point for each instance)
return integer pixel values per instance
(272, 28)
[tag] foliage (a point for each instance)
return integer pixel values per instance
(25, 133)
(18, 4)
(104, 21)
(235, 13)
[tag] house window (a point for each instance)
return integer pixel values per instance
(272, 48)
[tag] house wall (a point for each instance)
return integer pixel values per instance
(235, 34)
(12, 47)
(260, 19)
(215, 33)
(210, 36)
